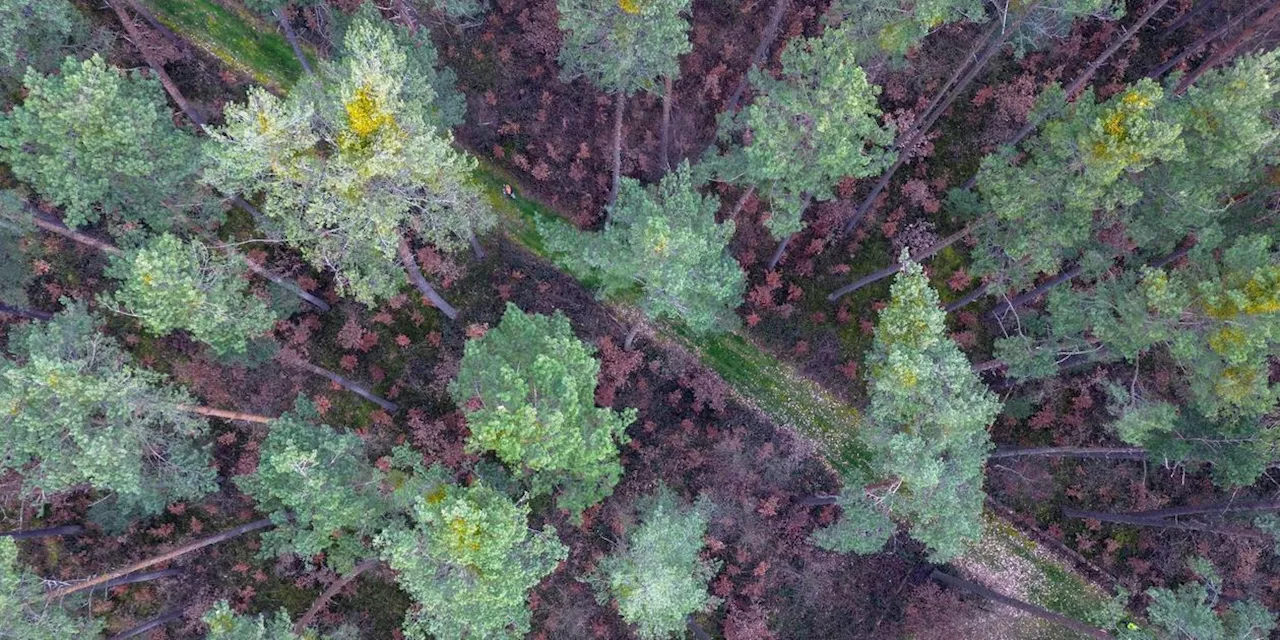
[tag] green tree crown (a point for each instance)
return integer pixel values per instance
(23, 621)
(624, 46)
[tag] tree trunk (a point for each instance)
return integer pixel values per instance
(349, 385)
(664, 156)
(225, 415)
(929, 252)
(132, 29)
(1087, 74)
(1098, 453)
(420, 281)
(695, 628)
(164, 557)
(1182, 20)
(30, 314)
(64, 530)
(990, 365)
(56, 226)
(1227, 50)
(293, 39)
(762, 49)
(631, 337)
(1196, 46)
(619, 109)
(154, 623)
(742, 202)
(1035, 292)
(1025, 607)
(777, 255)
(317, 606)
(969, 298)
(1213, 508)
(907, 138)
(1143, 521)
(293, 288)
(475, 245)
(163, 30)
(135, 578)
(817, 501)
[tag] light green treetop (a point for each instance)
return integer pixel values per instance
(658, 576)
(225, 624)
(94, 139)
(350, 165)
(812, 127)
(624, 45)
(317, 485)
(174, 284)
(1188, 612)
(665, 239)
(926, 423)
(895, 27)
(528, 390)
(469, 562)
(74, 410)
(22, 620)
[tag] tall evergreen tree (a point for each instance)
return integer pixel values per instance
(927, 427)
(657, 577)
(94, 139)
(665, 239)
(23, 613)
(74, 411)
(37, 34)
(528, 390)
(1188, 612)
(350, 165)
(171, 284)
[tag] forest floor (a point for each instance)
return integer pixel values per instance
(758, 378)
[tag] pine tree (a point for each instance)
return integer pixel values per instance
(894, 27)
(37, 34)
(528, 390)
(348, 167)
(74, 411)
(1188, 612)
(173, 284)
(23, 613)
(657, 577)
(469, 563)
(97, 140)
(812, 127)
(225, 624)
(926, 425)
(317, 485)
(665, 239)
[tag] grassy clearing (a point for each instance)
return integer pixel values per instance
(1004, 556)
(236, 37)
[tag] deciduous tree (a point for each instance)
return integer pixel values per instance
(170, 284)
(94, 139)
(665, 239)
(527, 388)
(74, 411)
(658, 576)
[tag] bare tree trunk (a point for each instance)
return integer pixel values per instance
(969, 298)
(135, 578)
(163, 30)
(907, 138)
(1036, 291)
(293, 288)
(320, 603)
(420, 281)
(777, 255)
(928, 252)
(224, 414)
(1196, 46)
(742, 202)
(155, 65)
(619, 109)
(990, 365)
(664, 156)
(1098, 453)
(762, 49)
(164, 557)
(56, 226)
(1158, 523)
(631, 337)
(475, 245)
(1216, 508)
(1225, 53)
(30, 314)
(293, 39)
(64, 530)
(154, 623)
(345, 383)
(1026, 607)
(1182, 20)
(817, 501)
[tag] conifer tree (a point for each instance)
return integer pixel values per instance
(1188, 612)
(808, 129)
(74, 411)
(926, 426)
(171, 284)
(894, 27)
(657, 577)
(318, 486)
(665, 239)
(97, 140)
(23, 613)
(226, 624)
(623, 47)
(527, 388)
(37, 34)
(350, 165)
(469, 562)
